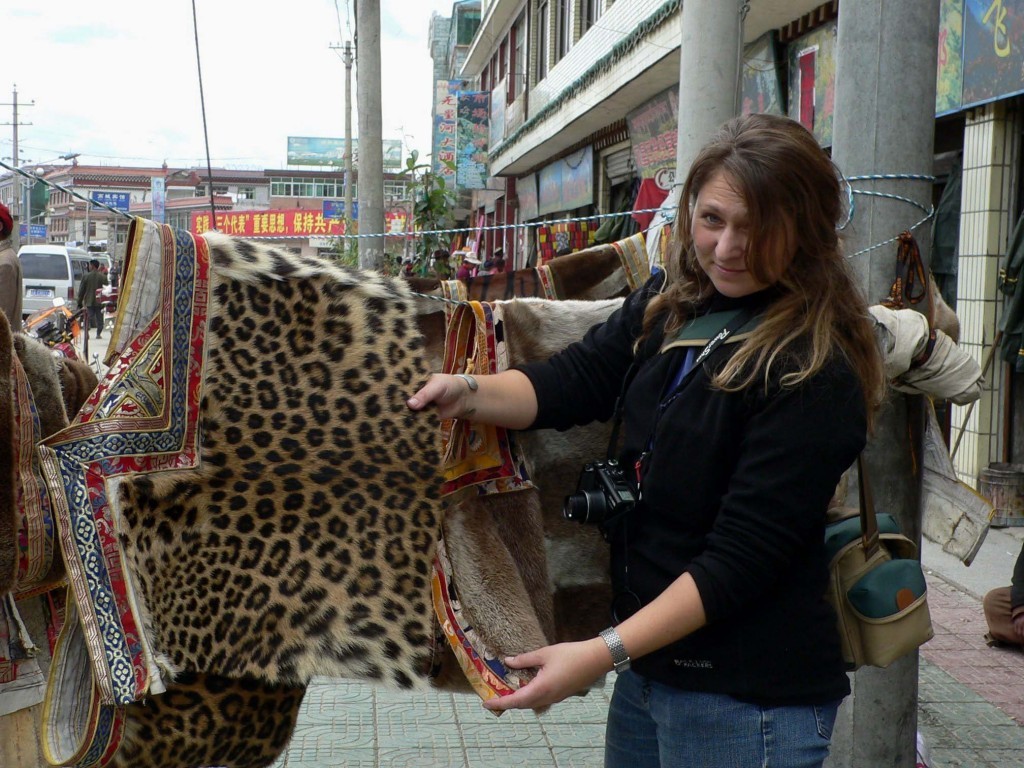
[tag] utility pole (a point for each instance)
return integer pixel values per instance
(347, 56)
(14, 154)
(371, 153)
(885, 52)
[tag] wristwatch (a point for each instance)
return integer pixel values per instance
(620, 659)
(470, 381)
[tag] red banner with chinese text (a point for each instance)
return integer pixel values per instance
(293, 223)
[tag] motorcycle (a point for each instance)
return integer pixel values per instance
(58, 327)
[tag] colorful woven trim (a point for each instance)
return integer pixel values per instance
(633, 253)
(143, 417)
(547, 282)
(487, 673)
(576, 235)
(474, 454)
(454, 291)
(33, 508)
(79, 730)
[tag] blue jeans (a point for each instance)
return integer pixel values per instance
(651, 725)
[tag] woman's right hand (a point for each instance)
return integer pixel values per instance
(446, 392)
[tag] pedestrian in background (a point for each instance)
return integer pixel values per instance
(10, 272)
(91, 282)
(750, 375)
(467, 269)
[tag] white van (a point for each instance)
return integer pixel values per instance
(47, 273)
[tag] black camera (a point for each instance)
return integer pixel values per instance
(603, 494)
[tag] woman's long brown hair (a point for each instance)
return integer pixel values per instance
(794, 203)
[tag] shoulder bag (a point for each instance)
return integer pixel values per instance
(876, 585)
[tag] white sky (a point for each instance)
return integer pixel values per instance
(116, 80)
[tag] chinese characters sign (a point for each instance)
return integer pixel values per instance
(652, 132)
(117, 200)
(993, 49)
(294, 223)
(473, 116)
(446, 98)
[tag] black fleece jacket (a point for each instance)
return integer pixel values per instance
(734, 492)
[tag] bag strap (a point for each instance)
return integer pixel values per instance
(868, 521)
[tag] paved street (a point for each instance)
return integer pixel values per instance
(971, 697)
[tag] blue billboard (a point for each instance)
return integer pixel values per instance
(117, 200)
(335, 209)
(36, 231)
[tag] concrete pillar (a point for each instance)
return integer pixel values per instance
(884, 124)
(711, 46)
(710, 49)
(371, 147)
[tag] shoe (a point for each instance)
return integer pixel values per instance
(99, 336)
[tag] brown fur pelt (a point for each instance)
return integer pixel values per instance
(41, 369)
(77, 382)
(196, 723)
(577, 556)
(8, 516)
(496, 547)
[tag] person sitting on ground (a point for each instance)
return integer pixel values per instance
(92, 281)
(1004, 609)
(10, 272)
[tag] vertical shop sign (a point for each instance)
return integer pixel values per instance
(445, 128)
(473, 118)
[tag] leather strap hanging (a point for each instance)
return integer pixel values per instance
(911, 286)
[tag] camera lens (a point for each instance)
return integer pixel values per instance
(584, 507)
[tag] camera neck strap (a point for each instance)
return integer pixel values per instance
(690, 364)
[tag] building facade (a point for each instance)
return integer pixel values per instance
(583, 98)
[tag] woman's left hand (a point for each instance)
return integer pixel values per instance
(563, 670)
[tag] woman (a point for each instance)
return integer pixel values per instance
(718, 571)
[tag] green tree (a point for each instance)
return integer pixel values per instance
(433, 209)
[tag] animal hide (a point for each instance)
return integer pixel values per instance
(41, 368)
(303, 543)
(577, 556)
(77, 381)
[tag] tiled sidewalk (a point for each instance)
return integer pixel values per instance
(345, 724)
(971, 713)
(971, 697)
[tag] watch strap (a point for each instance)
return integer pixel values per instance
(620, 659)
